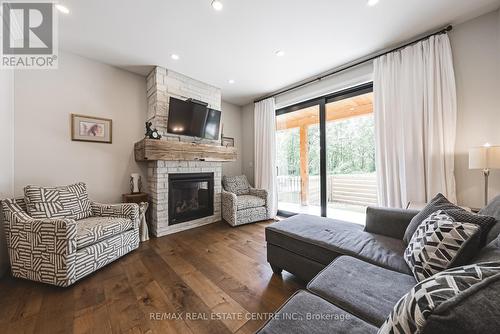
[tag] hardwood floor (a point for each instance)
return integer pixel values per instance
(212, 279)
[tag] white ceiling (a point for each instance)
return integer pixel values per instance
(240, 41)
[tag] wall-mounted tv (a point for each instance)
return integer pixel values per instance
(192, 118)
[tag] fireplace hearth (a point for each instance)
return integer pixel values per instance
(190, 196)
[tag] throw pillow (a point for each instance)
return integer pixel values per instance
(440, 243)
(441, 203)
(58, 202)
(438, 301)
(236, 184)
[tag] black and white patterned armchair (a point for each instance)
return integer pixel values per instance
(242, 204)
(65, 236)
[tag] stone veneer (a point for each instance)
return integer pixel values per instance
(161, 84)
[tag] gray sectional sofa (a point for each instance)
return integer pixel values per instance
(358, 274)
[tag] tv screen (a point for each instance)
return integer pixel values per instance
(193, 119)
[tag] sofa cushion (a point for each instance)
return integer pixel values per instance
(459, 300)
(440, 243)
(305, 313)
(249, 201)
(492, 210)
(365, 290)
(236, 184)
(459, 214)
(323, 239)
(58, 202)
(94, 229)
(489, 253)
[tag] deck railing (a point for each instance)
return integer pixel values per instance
(354, 189)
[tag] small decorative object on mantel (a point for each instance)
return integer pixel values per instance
(227, 142)
(135, 183)
(91, 129)
(152, 133)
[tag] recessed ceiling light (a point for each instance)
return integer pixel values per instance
(372, 3)
(217, 5)
(62, 9)
(231, 81)
(174, 56)
(280, 53)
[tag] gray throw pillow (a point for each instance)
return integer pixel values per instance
(58, 202)
(441, 203)
(440, 243)
(458, 300)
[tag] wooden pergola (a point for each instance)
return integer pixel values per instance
(302, 119)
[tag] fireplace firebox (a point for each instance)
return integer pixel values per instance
(190, 196)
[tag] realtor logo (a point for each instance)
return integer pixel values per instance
(29, 39)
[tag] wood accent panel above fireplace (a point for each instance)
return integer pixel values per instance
(151, 150)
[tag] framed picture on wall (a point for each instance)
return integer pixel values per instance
(227, 142)
(91, 129)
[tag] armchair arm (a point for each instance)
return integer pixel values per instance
(229, 206)
(262, 193)
(389, 222)
(40, 249)
(123, 210)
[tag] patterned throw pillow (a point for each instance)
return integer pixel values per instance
(236, 184)
(438, 296)
(58, 202)
(440, 242)
(459, 214)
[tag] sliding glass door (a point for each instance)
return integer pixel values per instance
(297, 158)
(350, 155)
(326, 156)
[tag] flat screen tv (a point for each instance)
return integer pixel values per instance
(190, 118)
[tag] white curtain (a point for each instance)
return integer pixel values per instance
(415, 120)
(265, 151)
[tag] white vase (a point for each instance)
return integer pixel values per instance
(135, 181)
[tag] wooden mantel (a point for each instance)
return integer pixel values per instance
(151, 150)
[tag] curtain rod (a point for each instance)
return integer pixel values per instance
(355, 63)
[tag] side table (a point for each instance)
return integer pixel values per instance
(143, 200)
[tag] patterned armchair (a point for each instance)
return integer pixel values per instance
(242, 204)
(62, 249)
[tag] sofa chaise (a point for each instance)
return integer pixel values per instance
(358, 279)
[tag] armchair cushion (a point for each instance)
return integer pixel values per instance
(249, 201)
(94, 229)
(70, 202)
(236, 184)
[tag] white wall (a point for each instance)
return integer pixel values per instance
(343, 80)
(476, 52)
(44, 152)
(231, 119)
(6, 152)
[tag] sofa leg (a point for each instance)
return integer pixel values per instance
(276, 270)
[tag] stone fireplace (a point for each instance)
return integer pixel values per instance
(190, 196)
(184, 173)
(160, 176)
